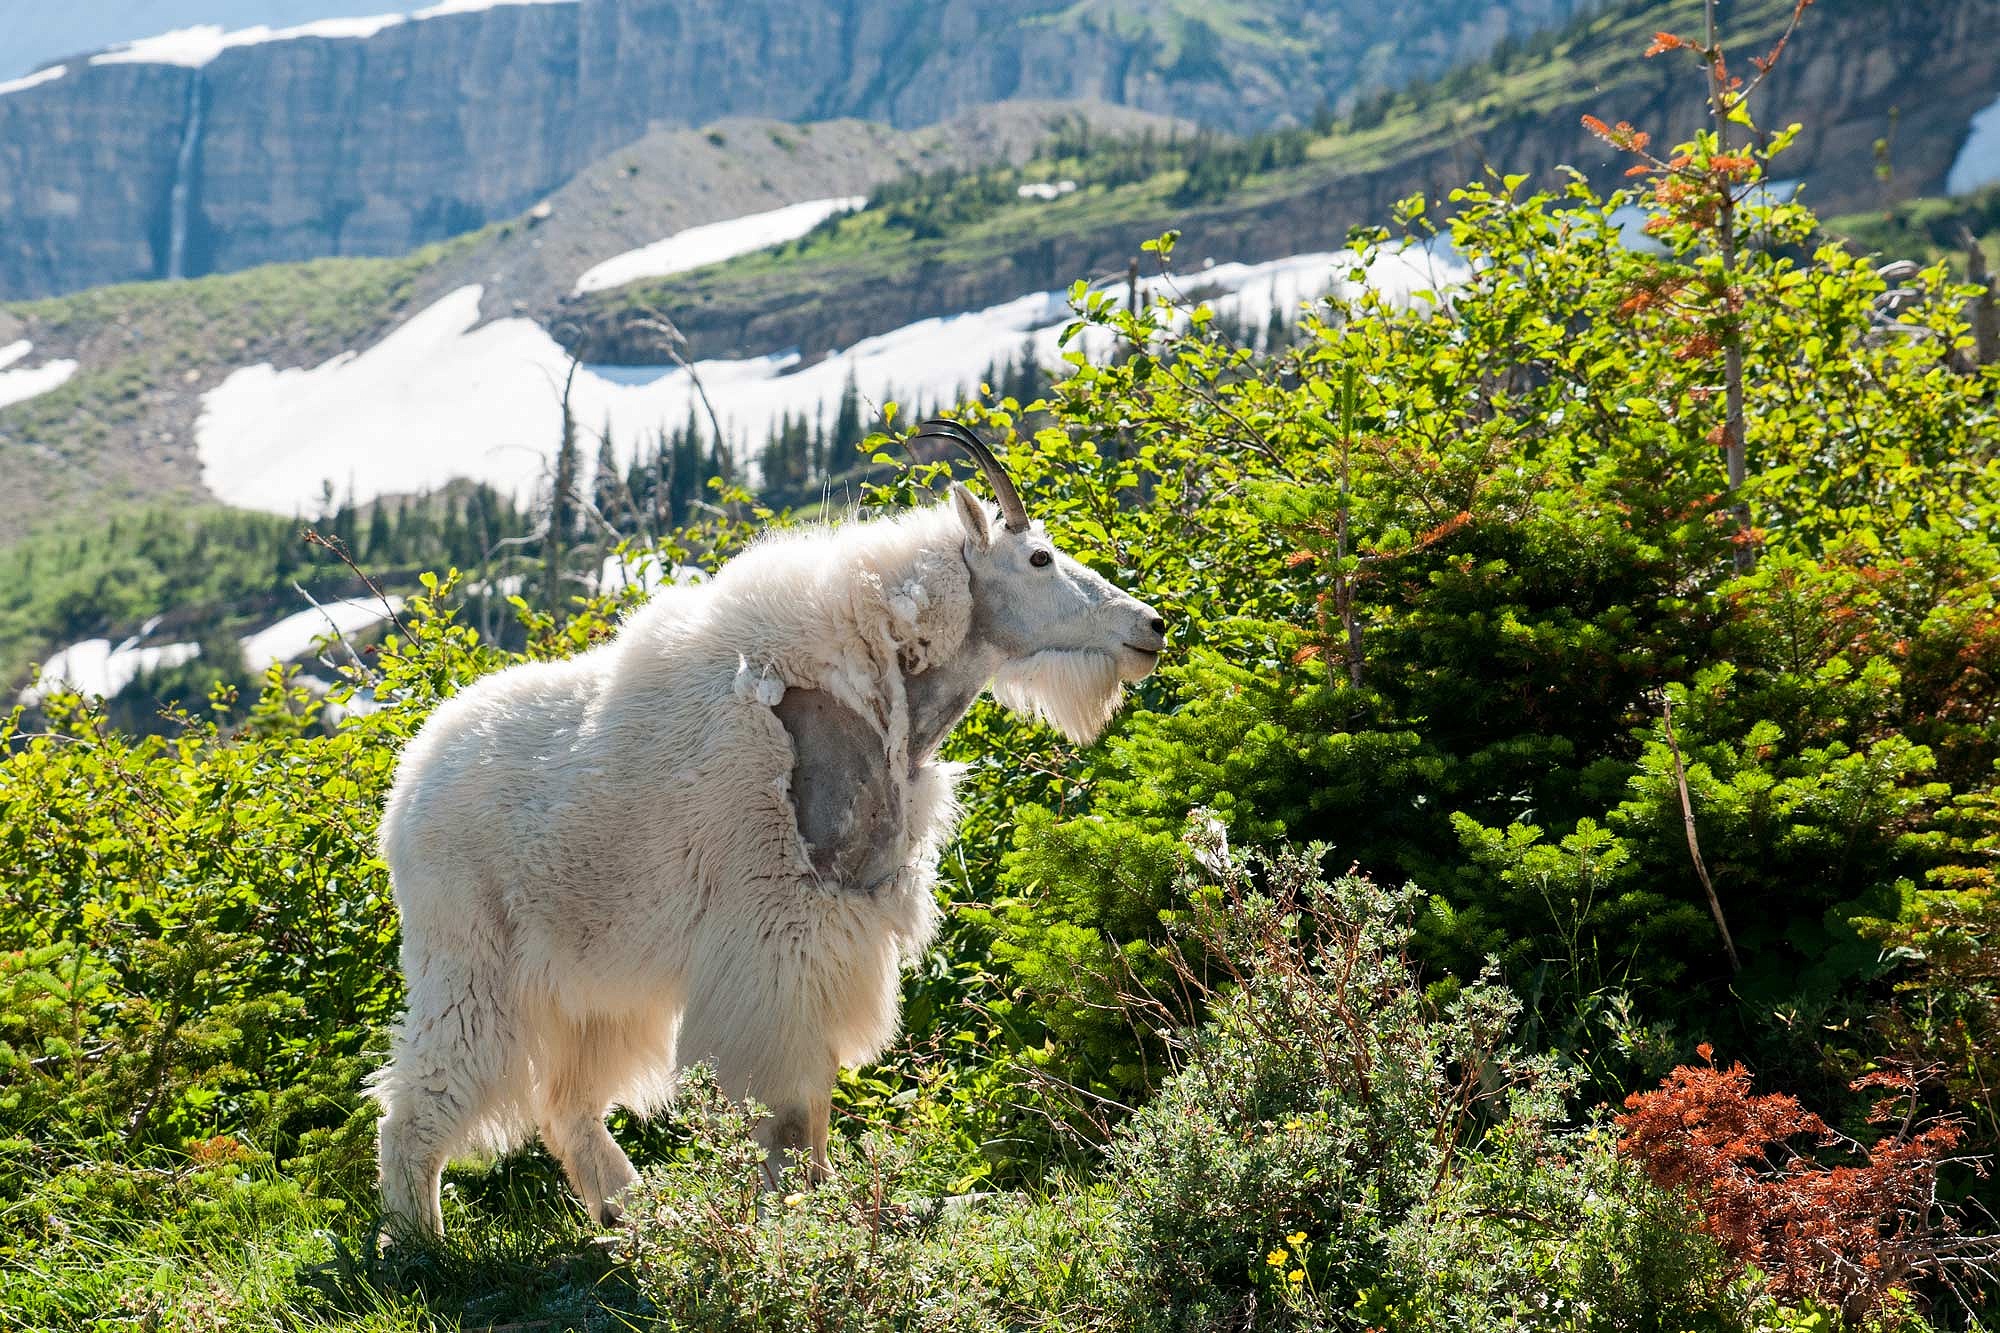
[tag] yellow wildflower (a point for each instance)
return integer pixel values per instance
(794, 1200)
(1296, 1239)
(1275, 1258)
(1296, 1276)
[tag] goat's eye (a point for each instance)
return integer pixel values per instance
(1040, 559)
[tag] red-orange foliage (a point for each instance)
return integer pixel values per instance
(1843, 1234)
(1620, 136)
(1689, 189)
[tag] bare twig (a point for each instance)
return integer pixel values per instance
(673, 342)
(338, 550)
(366, 671)
(1694, 843)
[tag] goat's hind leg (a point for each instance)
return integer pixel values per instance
(580, 1071)
(454, 1054)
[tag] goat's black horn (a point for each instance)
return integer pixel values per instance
(1012, 512)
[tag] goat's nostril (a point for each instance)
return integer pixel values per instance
(1159, 625)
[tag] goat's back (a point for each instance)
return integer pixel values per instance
(486, 770)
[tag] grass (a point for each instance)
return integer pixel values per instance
(225, 1246)
(274, 300)
(315, 307)
(255, 1251)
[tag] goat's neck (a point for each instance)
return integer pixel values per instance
(939, 696)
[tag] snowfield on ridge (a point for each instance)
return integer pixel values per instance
(198, 45)
(18, 386)
(698, 247)
(445, 397)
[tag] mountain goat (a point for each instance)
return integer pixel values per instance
(714, 837)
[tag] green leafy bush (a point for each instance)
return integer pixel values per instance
(1337, 1149)
(1440, 567)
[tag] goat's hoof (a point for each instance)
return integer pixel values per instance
(610, 1213)
(399, 1240)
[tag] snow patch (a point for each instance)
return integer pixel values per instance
(96, 669)
(714, 242)
(445, 397)
(18, 386)
(190, 47)
(195, 46)
(347, 29)
(35, 80)
(436, 399)
(1978, 160)
(294, 636)
(644, 570)
(507, 585)
(1046, 190)
(475, 6)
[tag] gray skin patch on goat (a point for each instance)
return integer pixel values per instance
(841, 795)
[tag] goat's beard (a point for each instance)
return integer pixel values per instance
(1074, 691)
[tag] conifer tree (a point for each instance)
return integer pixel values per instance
(379, 534)
(847, 430)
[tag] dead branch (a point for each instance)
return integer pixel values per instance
(1694, 843)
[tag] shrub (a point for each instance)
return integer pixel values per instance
(1338, 1150)
(1854, 1235)
(1440, 565)
(1547, 1229)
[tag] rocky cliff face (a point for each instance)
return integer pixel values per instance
(1240, 67)
(370, 147)
(86, 174)
(304, 146)
(1907, 71)
(284, 149)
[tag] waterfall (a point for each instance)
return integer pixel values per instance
(180, 200)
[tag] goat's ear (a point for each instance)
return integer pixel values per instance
(971, 513)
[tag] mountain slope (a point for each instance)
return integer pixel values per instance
(1857, 70)
(151, 356)
(122, 428)
(183, 157)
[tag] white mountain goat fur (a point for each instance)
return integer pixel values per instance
(713, 838)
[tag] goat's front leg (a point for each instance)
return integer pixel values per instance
(821, 1126)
